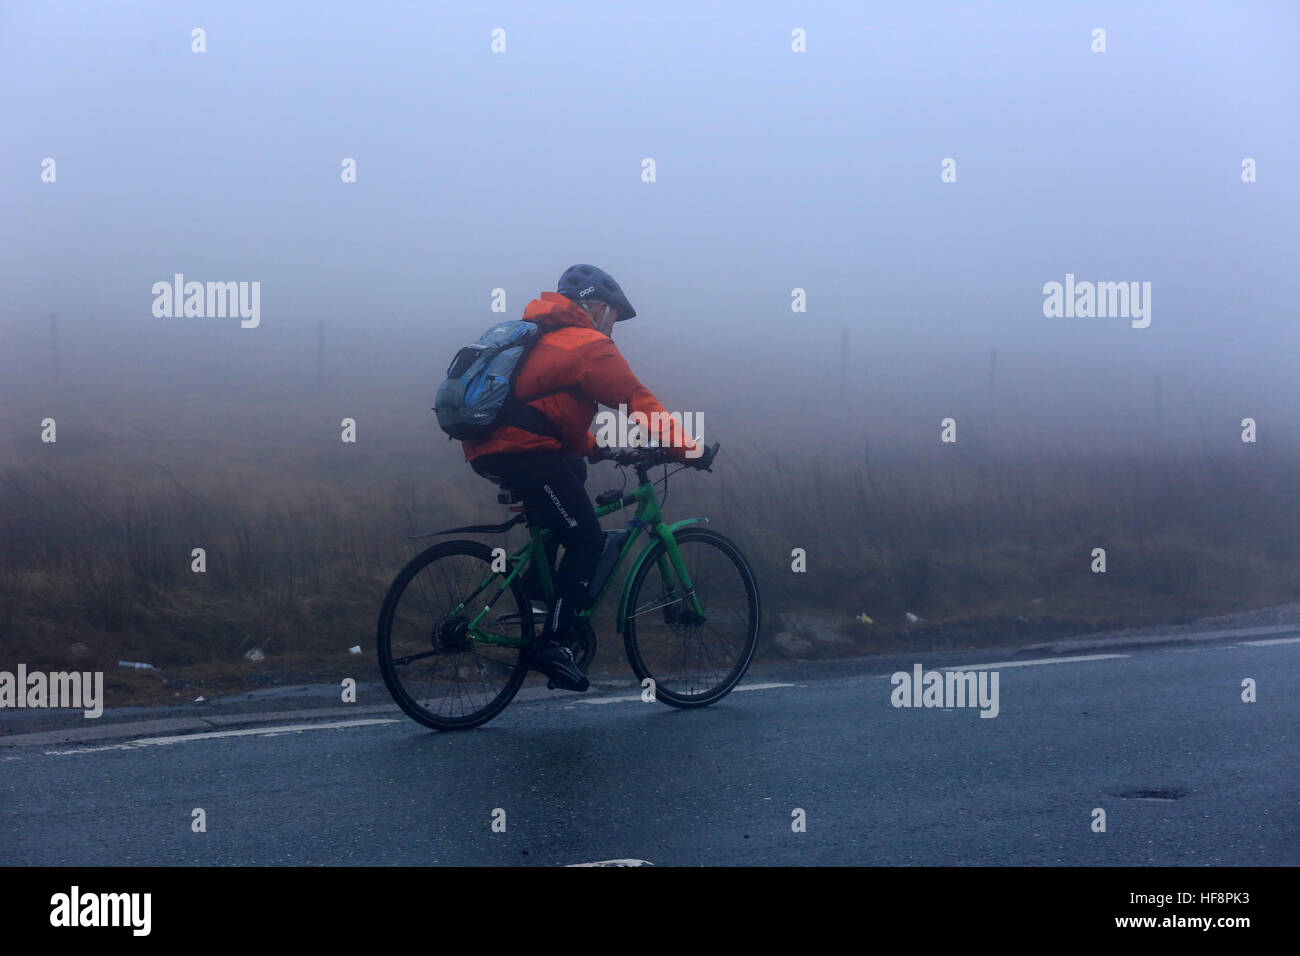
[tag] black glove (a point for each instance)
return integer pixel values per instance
(705, 460)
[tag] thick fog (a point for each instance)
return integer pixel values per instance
(792, 150)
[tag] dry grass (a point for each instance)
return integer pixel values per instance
(303, 533)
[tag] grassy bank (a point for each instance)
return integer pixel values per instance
(989, 538)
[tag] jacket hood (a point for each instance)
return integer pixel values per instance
(551, 310)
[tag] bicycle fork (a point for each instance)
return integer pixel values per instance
(678, 566)
(678, 587)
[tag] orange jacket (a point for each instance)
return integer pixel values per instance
(572, 355)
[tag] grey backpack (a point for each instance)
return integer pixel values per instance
(478, 393)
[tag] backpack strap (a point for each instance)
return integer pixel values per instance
(519, 414)
(549, 392)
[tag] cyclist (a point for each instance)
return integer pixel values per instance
(573, 366)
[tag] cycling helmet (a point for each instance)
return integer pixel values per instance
(584, 282)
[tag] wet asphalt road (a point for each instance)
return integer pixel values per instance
(1187, 773)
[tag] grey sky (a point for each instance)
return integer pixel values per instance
(775, 170)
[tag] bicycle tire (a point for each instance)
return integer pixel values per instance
(637, 649)
(384, 639)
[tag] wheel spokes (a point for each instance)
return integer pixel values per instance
(441, 666)
(693, 657)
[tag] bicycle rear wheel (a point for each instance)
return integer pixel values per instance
(438, 672)
(693, 661)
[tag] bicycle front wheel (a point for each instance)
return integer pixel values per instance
(440, 672)
(693, 660)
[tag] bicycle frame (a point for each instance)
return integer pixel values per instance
(647, 517)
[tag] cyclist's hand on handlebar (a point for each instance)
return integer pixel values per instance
(654, 456)
(705, 460)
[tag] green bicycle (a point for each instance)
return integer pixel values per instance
(456, 625)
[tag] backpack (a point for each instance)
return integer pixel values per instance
(478, 393)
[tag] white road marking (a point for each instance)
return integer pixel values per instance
(604, 700)
(637, 698)
(607, 700)
(1044, 660)
(615, 862)
(1280, 640)
(250, 731)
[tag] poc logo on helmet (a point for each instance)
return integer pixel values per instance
(586, 292)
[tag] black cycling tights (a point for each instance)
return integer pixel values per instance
(551, 484)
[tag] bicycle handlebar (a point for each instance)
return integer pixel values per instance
(649, 457)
